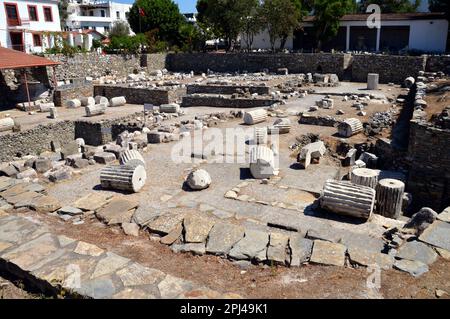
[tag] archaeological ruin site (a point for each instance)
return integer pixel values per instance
(238, 175)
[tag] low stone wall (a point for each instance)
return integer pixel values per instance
(257, 62)
(74, 91)
(103, 131)
(152, 62)
(226, 89)
(215, 101)
(429, 176)
(438, 63)
(390, 68)
(318, 120)
(141, 95)
(36, 140)
(82, 65)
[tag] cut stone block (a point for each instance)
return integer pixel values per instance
(415, 268)
(327, 253)
(416, 250)
(196, 228)
(301, 249)
(92, 202)
(252, 247)
(437, 234)
(222, 237)
(117, 211)
(276, 252)
(104, 157)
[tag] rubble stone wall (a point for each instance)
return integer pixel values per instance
(103, 131)
(227, 89)
(65, 93)
(429, 176)
(35, 140)
(438, 63)
(82, 65)
(391, 68)
(257, 62)
(152, 62)
(140, 95)
(226, 102)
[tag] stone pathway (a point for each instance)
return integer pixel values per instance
(58, 263)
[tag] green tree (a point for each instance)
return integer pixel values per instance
(127, 44)
(119, 29)
(391, 6)
(63, 14)
(163, 15)
(225, 18)
(328, 14)
(440, 6)
(191, 37)
(281, 18)
(252, 25)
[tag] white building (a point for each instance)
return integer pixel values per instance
(28, 25)
(98, 15)
(426, 32)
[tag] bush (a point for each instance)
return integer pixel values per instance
(127, 44)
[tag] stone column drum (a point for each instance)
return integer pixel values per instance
(346, 198)
(390, 197)
(254, 117)
(262, 162)
(350, 127)
(365, 176)
(131, 157)
(93, 110)
(372, 81)
(123, 177)
(117, 101)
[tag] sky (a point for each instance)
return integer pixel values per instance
(186, 6)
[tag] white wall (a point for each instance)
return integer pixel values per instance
(425, 35)
(28, 27)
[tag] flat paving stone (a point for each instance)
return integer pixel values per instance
(87, 249)
(99, 288)
(415, 250)
(68, 210)
(109, 264)
(301, 249)
(327, 253)
(172, 287)
(138, 275)
(92, 201)
(165, 223)
(45, 204)
(222, 237)
(173, 236)
(143, 215)
(197, 228)
(25, 199)
(252, 246)
(445, 215)
(413, 267)
(276, 251)
(437, 234)
(368, 258)
(137, 293)
(117, 211)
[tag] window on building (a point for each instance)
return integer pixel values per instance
(12, 14)
(48, 14)
(37, 40)
(118, 14)
(102, 13)
(32, 13)
(91, 13)
(106, 29)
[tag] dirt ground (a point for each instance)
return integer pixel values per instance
(14, 290)
(262, 281)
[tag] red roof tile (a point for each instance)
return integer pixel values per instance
(11, 59)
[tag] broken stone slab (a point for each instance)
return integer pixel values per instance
(445, 215)
(42, 165)
(60, 174)
(104, 157)
(277, 250)
(68, 210)
(165, 223)
(198, 179)
(252, 247)
(9, 170)
(311, 151)
(92, 201)
(117, 211)
(413, 267)
(195, 248)
(29, 173)
(327, 253)
(197, 228)
(69, 148)
(350, 158)
(143, 215)
(173, 236)
(415, 250)
(369, 159)
(437, 234)
(130, 229)
(45, 204)
(222, 237)
(80, 163)
(369, 258)
(301, 249)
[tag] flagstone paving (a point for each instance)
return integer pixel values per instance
(83, 269)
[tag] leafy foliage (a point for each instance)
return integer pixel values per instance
(440, 6)
(392, 6)
(164, 15)
(119, 29)
(126, 44)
